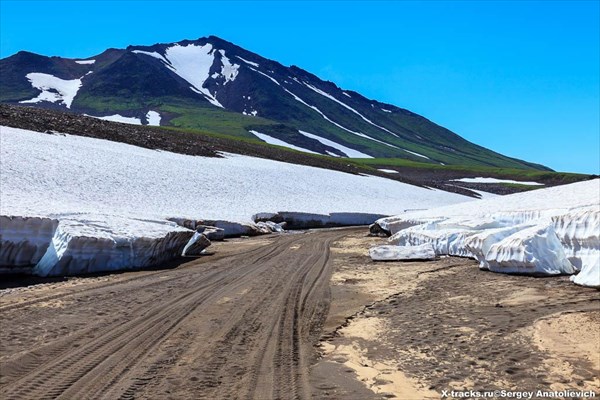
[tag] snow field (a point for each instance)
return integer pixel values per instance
(112, 201)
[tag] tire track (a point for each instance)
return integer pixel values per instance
(240, 326)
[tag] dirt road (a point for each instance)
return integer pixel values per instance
(245, 323)
(239, 324)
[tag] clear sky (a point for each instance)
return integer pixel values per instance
(521, 78)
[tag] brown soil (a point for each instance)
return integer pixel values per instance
(445, 324)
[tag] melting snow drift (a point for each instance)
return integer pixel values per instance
(72, 204)
(545, 232)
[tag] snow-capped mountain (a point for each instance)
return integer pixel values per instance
(212, 85)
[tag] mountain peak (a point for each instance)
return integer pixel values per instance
(212, 84)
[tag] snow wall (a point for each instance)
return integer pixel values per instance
(545, 232)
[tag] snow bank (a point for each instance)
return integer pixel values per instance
(590, 275)
(443, 241)
(196, 245)
(300, 220)
(23, 241)
(97, 176)
(535, 250)
(479, 243)
(110, 202)
(97, 243)
(579, 233)
(53, 89)
(544, 232)
(402, 253)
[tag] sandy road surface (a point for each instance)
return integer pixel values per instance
(239, 324)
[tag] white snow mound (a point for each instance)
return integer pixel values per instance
(402, 253)
(534, 250)
(543, 232)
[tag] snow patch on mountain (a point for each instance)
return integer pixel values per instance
(320, 112)
(193, 63)
(494, 180)
(248, 62)
(119, 118)
(253, 113)
(53, 89)
(346, 150)
(151, 54)
(267, 76)
(327, 95)
(417, 154)
(153, 118)
(229, 71)
(389, 171)
(279, 142)
(85, 62)
(333, 122)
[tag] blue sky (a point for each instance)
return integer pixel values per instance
(521, 78)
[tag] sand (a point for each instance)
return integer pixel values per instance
(422, 327)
